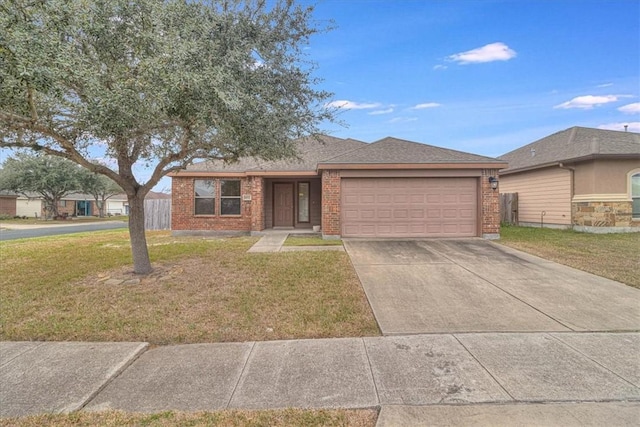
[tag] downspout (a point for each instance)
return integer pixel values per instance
(573, 172)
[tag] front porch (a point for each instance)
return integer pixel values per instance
(291, 203)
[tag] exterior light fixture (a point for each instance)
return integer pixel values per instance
(494, 182)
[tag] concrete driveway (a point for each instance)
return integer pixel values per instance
(472, 285)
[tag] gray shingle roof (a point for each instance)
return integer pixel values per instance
(394, 150)
(310, 153)
(343, 151)
(573, 144)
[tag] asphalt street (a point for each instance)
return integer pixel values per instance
(7, 234)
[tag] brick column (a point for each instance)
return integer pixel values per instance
(257, 203)
(331, 204)
(490, 206)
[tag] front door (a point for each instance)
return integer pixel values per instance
(283, 205)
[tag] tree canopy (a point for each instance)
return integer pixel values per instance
(156, 84)
(52, 178)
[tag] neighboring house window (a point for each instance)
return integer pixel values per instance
(303, 202)
(230, 197)
(63, 203)
(205, 197)
(635, 195)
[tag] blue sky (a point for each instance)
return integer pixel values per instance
(479, 76)
(482, 76)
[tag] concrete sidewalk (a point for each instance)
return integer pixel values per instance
(501, 371)
(273, 241)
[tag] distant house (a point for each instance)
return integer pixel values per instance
(582, 178)
(349, 188)
(8, 203)
(76, 204)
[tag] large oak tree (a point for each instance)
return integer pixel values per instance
(156, 84)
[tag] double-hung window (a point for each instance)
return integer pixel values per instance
(205, 196)
(230, 197)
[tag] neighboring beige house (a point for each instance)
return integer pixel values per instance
(581, 178)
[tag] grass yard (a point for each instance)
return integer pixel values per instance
(614, 256)
(287, 417)
(306, 240)
(203, 290)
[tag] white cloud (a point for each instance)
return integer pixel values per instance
(605, 85)
(631, 126)
(426, 105)
(587, 102)
(403, 119)
(351, 105)
(440, 67)
(488, 53)
(630, 108)
(378, 112)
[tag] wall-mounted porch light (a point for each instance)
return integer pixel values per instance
(494, 182)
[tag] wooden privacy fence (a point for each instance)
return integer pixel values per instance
(157, 214)
(509, 208)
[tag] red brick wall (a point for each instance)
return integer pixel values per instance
(8, 206)
(331, 203)
(182, 209)
(490, 204)
(257, 203)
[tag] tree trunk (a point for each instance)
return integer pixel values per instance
(141, 261)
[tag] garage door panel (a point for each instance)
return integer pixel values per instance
(409, 207)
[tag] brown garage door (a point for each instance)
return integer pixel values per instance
(409, 207)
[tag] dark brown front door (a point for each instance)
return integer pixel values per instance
(283, 205)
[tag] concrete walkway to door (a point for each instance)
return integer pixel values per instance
(472, 285)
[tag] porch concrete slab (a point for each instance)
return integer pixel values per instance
(538, 367)
(430, 298)
(59, 376)
(391, 252)
(325, 373)
(193, 377)
(619, 352)
(428, 369)
(591, 414)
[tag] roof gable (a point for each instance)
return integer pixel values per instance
(573, 144)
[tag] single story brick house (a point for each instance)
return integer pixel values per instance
(349, 188)
(581, 178)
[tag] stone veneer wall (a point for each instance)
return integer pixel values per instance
(490, 215)
(603, 214)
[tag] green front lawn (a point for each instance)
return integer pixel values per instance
(614, 256)
(203, 290)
